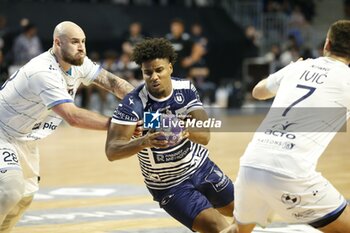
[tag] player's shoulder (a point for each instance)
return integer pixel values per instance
(179, 83)
(43, 63)
(87, 63)
(136, 94)
(137, 90)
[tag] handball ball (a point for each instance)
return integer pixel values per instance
(172, 129)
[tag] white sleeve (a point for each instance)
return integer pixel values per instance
(89, 70)
(274, 80)
(50, 87)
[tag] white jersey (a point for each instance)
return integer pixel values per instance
(312, 103)
(28, 95)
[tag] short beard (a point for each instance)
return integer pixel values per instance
(71, 60)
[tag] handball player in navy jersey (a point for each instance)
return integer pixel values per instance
(179, 175)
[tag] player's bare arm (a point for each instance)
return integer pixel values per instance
(119, 144)
(81, 118)
(112, 83)
(199, 135)
(261, 92)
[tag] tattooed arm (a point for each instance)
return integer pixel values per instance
(112, 83)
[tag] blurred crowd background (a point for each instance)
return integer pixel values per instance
(224, 46)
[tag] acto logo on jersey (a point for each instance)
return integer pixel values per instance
(280, 130)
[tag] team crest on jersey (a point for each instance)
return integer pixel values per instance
(179, 98)
(291, 200)
(151, 120)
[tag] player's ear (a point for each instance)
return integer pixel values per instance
(171, 68)
(327, 45)
(57, 42)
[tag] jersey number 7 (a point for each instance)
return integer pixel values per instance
(310, 91)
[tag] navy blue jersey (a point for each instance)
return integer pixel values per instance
(164, 168)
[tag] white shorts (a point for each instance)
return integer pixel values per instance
(22, 156)
(260, 194)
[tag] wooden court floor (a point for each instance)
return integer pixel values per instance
(74, 157)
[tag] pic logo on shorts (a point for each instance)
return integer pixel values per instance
(151, 120)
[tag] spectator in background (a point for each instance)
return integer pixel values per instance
(133, 36)
(198, 35)
(347, 9)
(128, 69)
(273, 57)
(252, 41)
(3, 22)
(110, 60)
(290, 52)
(27, 45)
(84, 93)
(8, 35)
(182, 44)
(101, 99)
(198, 67)
(3, 68)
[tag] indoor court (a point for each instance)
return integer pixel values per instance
(82, 192)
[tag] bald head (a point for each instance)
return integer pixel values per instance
(68, 29)
(69, 44)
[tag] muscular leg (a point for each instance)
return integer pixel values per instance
(245, 228)
(15, 214)
(227, 210)
(340, 225)
(11, 191)
(210, 221)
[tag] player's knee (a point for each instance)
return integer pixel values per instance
(213, 227)
(231, 229)
(210, 221)
(11, 190)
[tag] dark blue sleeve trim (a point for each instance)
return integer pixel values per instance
(59, 102)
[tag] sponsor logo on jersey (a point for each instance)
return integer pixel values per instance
(36, 126)
(280, 130)
(151, 120)
(52, 68)
(166, 199)
(50, 125)
(305, 214)
(46, 125)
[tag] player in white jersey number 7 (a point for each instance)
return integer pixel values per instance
(277, 172)
(33, 102)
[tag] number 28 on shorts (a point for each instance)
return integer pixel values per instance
(8, 159)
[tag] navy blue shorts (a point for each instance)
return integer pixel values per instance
(207, 187)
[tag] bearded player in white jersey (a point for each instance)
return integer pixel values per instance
(33, 102)
(277, 172)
